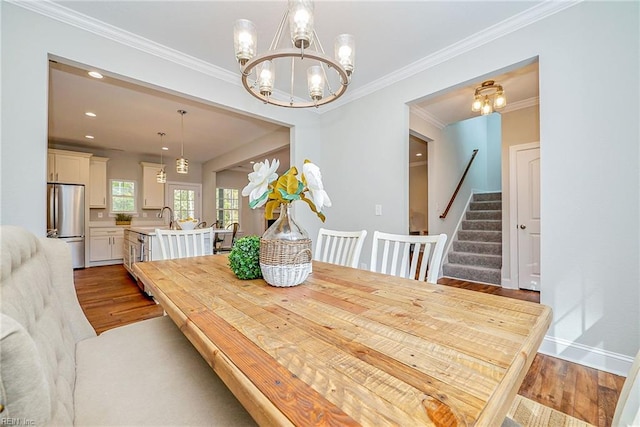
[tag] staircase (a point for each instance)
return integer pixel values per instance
(476, 254)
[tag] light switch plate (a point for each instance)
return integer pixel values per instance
(378, 210)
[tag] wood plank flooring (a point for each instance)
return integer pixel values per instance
(110, 297)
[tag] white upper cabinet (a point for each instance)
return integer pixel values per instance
(68, 167)
(98, 182)
(152, 191)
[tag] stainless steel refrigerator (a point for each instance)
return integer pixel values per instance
(65, 218)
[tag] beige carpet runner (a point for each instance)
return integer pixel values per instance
(528, 413)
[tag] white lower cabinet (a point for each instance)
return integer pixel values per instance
(105, 245)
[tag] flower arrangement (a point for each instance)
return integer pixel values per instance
(265, 188)
(244, 258)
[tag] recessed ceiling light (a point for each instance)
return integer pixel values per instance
(95, 74)
(89, 136)
(165, 148)
(252, 162)
(419, 155)
(90, 114)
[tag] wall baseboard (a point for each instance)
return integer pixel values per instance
(592, 357)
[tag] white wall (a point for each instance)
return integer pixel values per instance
(589, 168)
(591, 284)
(518, 127)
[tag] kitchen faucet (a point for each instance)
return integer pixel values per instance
(161, 215)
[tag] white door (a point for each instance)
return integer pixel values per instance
(528, 225)
(185, 199)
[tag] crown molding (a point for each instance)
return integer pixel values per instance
(92, 25)
(68, 16)
(501, 29)
(427, 117)
(519, 105)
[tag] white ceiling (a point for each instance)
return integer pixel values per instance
(391, 37)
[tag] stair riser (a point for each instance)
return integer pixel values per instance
(485, 206)
(491, 261)
(464, 273)
(480, 215)
(480, 236)
(478, 247)
(483, 197)
(482, 225)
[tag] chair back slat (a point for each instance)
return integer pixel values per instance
(409, 252)
(185, 243)
(339, 247)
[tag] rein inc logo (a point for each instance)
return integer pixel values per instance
(17, 422)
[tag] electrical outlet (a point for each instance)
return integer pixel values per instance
(99, 214)
(144, 214)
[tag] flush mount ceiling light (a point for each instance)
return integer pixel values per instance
(161, 176)
(182, 164)
(488, 96)
(258, 72)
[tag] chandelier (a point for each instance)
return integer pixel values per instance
(488, 96)
(161, 176)
(182, 164)
(258, 72)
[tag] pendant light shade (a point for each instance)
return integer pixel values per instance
(161, 176)
(182, 164)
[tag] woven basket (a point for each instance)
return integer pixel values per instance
(285, 263)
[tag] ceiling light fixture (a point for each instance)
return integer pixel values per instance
(488, 96)
(161, 176)
(89, 136)
(182, 164)
(90, 114)
(303, 38)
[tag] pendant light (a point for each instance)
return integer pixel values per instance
(182, 164)
(161, 176)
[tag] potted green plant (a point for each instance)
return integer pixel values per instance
(244, 258)
(123, 219)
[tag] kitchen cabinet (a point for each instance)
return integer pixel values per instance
(106, 244)
(68, 167)
(98, 182)
(152, 191)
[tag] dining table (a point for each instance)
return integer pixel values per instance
(351, 347)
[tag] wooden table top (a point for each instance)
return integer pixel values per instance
(352, 347)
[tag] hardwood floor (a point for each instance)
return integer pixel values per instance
(110, 297)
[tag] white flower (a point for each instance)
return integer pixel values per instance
(259, 179)
(316, 188)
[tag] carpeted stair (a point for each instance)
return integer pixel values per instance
(476, 254)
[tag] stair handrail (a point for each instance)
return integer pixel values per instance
(455, 193)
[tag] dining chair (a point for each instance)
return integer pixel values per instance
(409, 252)
(339, 247)
(185, 243)
(234, 227)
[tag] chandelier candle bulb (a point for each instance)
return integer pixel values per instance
(267, 77)
(345, 51)
(315, 80)
(245, 40)
(301, 23)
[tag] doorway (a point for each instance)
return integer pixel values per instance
(418, 186)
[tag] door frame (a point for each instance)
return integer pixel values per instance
(514, 278)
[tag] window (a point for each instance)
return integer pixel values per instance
(184, 203)
(228, 206)
(123, 196)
